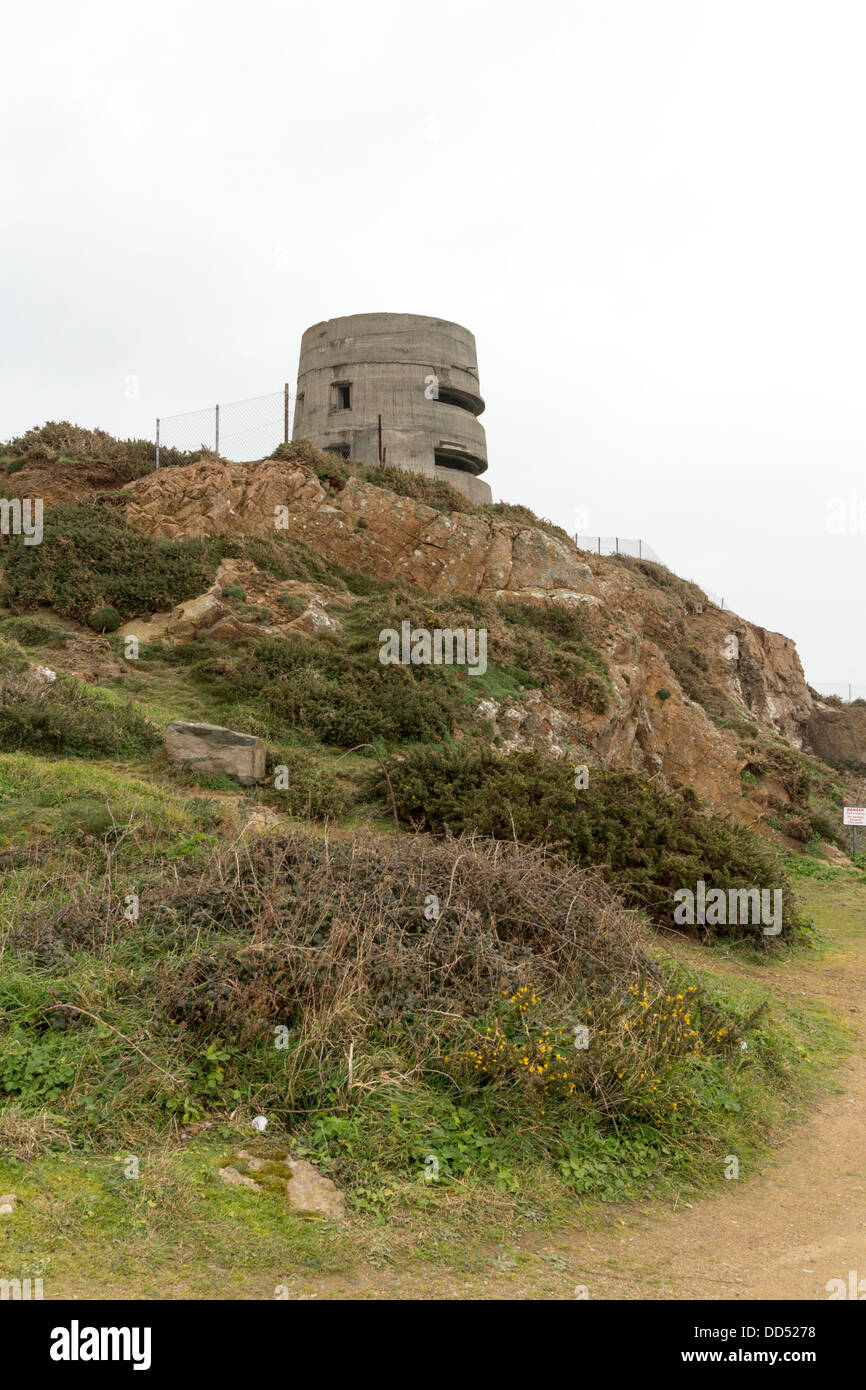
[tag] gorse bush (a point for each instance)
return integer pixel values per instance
(90, 559)
(519, 515)
(34, 631)
(647, 841)
(557, 647)
(12, 656)
(429, 996)
(325, 689)
(310, 791)
(64, 717)
(336, 690)
(336, 941)
(104, 619)
(59, 442)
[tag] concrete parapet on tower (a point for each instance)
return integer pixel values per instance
(419, 374)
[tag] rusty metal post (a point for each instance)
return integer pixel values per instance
(381, 455)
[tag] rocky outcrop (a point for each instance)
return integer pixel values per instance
(654, 728)
(756, 670)
(837, 733)
(530, 723)
(358, 526)
(213, 749)
(767, 677)
(671, 656)
(212, 614)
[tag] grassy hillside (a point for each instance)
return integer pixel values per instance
(484, 985)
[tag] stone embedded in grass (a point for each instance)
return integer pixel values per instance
(43, 674)
(307, 1189)
(310, 1190)
(315, 619)
(213, 749)
(8, 1203)
(231, 1175)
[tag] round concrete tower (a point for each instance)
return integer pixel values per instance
(398, 389)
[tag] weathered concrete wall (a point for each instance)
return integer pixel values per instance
(388, 362)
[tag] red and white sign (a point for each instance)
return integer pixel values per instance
(854, 815)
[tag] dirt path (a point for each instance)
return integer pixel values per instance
(781, 1233)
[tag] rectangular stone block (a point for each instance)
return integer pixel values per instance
(211, 748)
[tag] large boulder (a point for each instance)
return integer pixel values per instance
(211, 748)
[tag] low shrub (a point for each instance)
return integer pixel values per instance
(647, 841)
(328, 690)
(34, 631)
(293, 604)
(104, 619)
(12, 656)
(306, 788)
(382, 1001)
(64, 717)
(684, 591)
(90, 559)
(63, 444)
(557, 648)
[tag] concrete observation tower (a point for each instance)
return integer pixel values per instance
(398, 389)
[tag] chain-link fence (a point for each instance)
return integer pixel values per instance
(846, 691)
(617, 545)
(241, 430)
(638, 550)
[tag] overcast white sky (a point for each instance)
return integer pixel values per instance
(651, 213)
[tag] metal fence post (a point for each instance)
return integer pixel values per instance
(157, 441)
(217, 431)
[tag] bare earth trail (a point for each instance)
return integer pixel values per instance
(780, 1233)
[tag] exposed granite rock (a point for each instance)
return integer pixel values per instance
(838, 733)
(400, 538)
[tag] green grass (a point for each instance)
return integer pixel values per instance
(144, 1036)
(177, 1231)
(65, 801)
